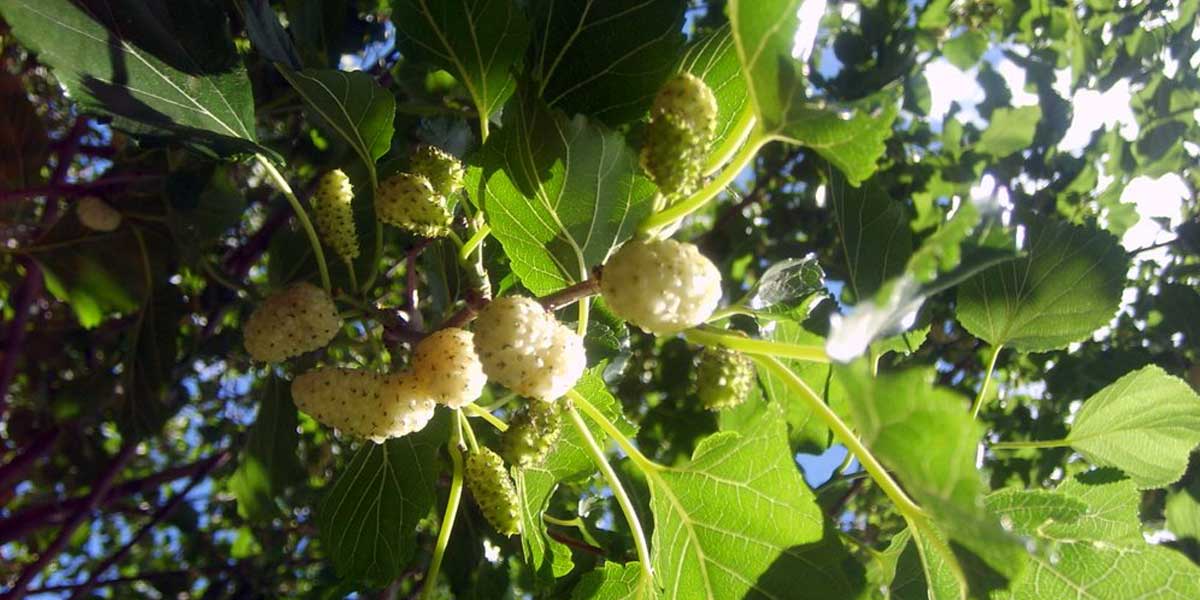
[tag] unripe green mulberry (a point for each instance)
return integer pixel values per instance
(662, 286)
(444, 171)
(409, 202)
(691, 100)
(365, 404)
(290, 322)
(724, 378)
(493, 489)
(682, 124)
(446, 364)
(97, 215)
(531, 434)
(332, 205)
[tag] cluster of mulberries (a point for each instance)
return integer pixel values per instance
(446, 365)
(531, 434)
(290, 322)
(682, 125)
(419, 200)
(493, 489)
(332, 205)
(724, 378)
(97, 215)
(362, 403)
(527, 350)
(662, 286)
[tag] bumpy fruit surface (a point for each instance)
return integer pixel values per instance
(673, 155)
(444, 171)
(332, 205)
(409, 202)
(290, 322)
(446, 364)
(531, 434)
(662, 286)
(493, 490)
(723, 378)
(362, 403)
(683, 121)
(526, 349)
(97, 215)
(688, 98)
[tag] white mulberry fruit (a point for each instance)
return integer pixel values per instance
(662, 286)
(724, 378)
(290, 322)
(97, 215)
(409, 202)
(526, 349)
(445, 363)
(332, 205)
(363, 403)
(444, 171)
(493, 490)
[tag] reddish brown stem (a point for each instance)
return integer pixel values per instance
(99, 489)
(14, 471)
(574, 543)
(552, 302)
(162, 513)
(76, 189)
(35, 517)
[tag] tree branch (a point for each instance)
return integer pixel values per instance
(161, 514)
(101, 487)
(35, 517)
(13, 472)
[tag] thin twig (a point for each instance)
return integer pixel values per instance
(574, 543)
(101, 487)
(40, 515)
(13, 472)
(162, 513)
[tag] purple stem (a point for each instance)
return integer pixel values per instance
(163, 512)
(14, 472)
(101, 487)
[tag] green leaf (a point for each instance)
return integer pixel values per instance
(167, 67)
(267, 34)
(559, 194)
(1183, 511)
(896, 415)
(568, 462)
(203, 205)
(785, 286)
(351, 106)
(614, 582)
(1011, 130)
(1094, 545)
(1098, 572)
(806, 431)
(1145, 423)
(874, 238)
(268, 462)
(964, 50)
(478, 41)
(850, 137)
(368, 519)
(95, 274)
(739, 521)
(713, 58)
(148, 399)
(605, 58)
(1067, 286)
